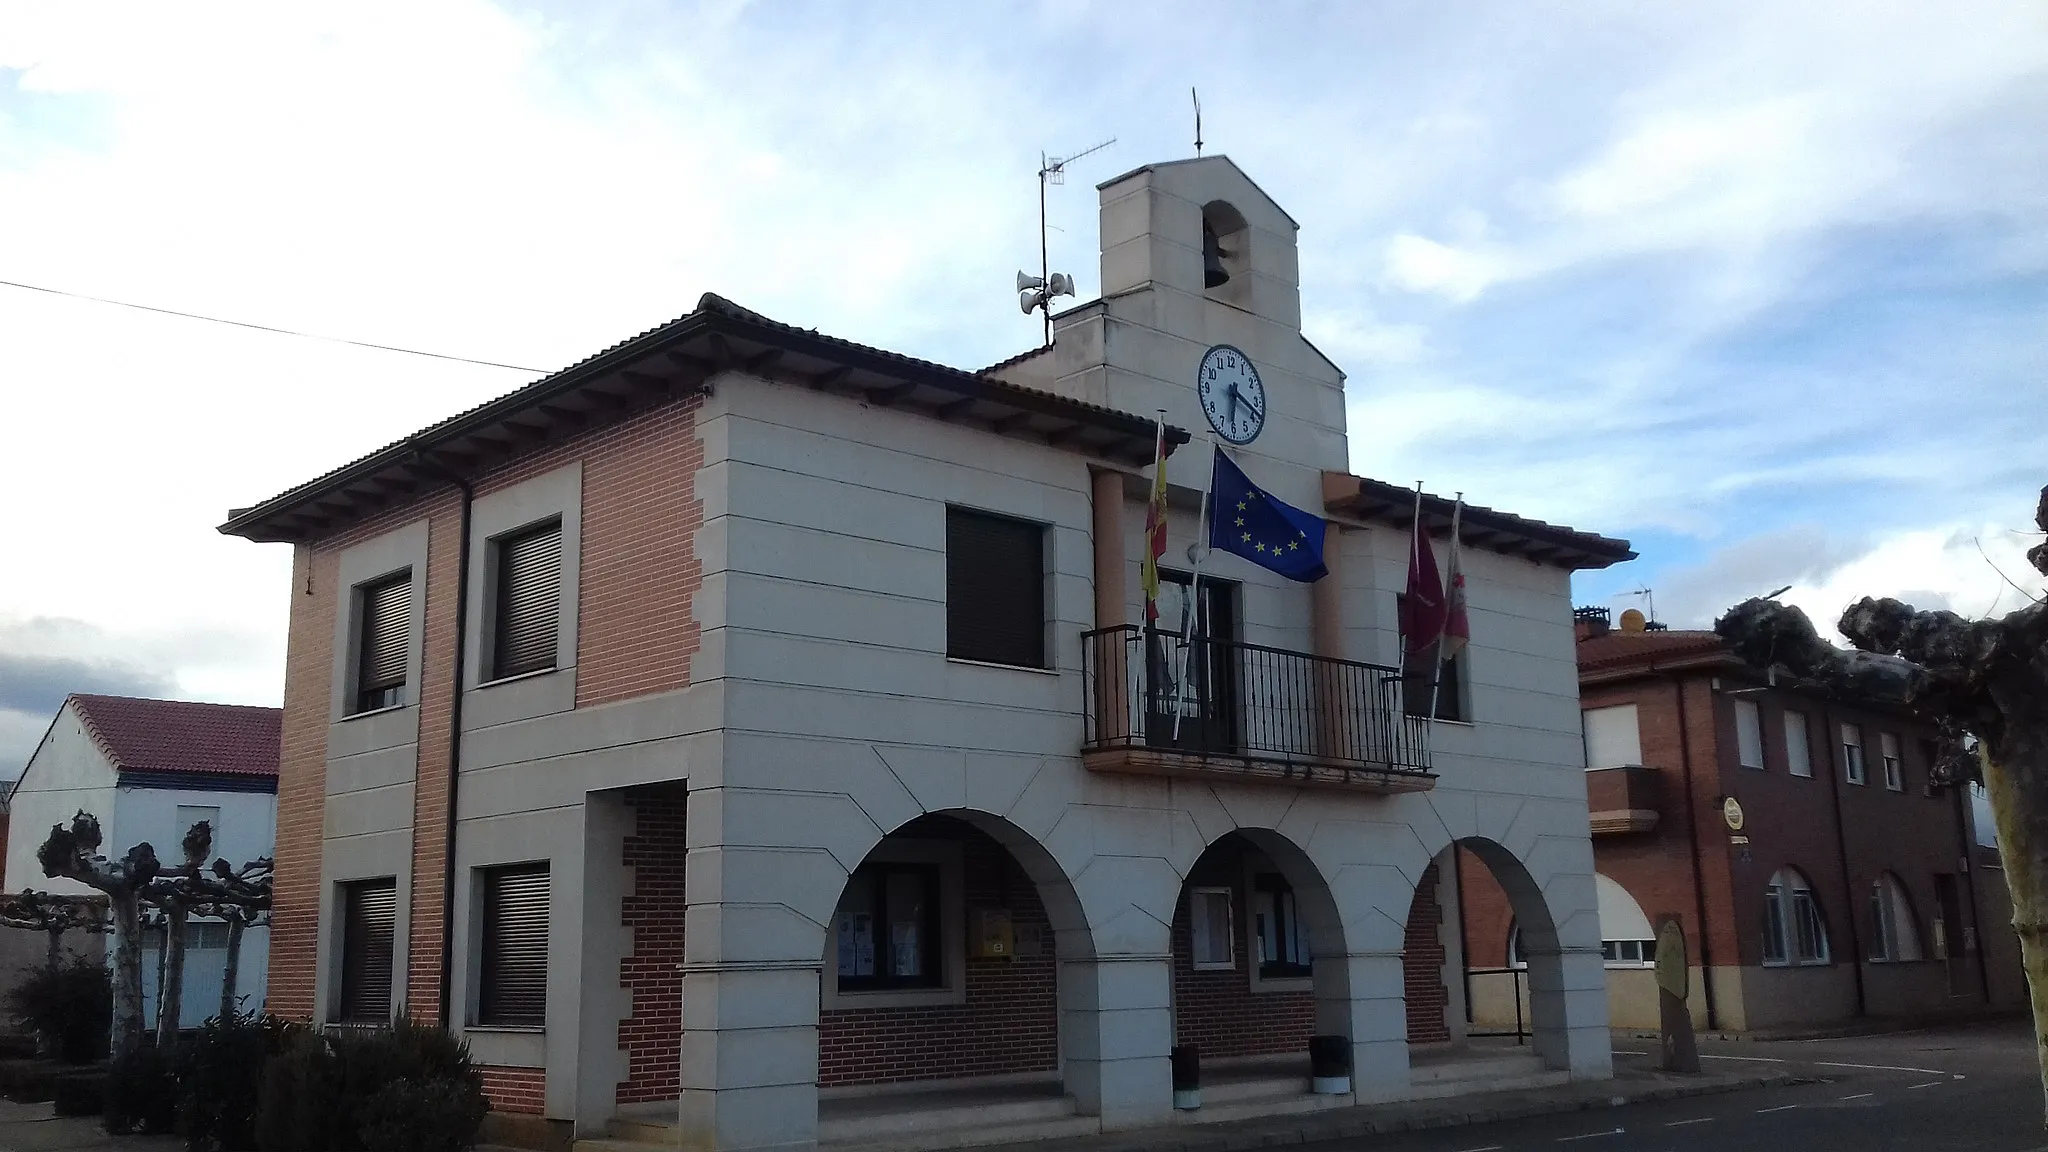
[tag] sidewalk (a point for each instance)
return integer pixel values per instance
(34, 1128)
(1629, 1087)
(1862, 1026)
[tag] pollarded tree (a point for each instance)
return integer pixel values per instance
(53, 916)
(1985, 678)
(74, 853)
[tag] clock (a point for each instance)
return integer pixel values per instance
(1233, 396)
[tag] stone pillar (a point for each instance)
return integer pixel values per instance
(1568, 1009)
(753, 950)
(600, 1065)
(1363, 995)
(1110, 659)
(1116, 1036)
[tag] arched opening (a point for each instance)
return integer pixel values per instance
(1795, 932)
(1253, 925)
(1628, 952)
(1894, 930)
(1226, 251)
(1482, 964)
(942, 958)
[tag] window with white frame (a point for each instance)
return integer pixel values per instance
(1894, 767)
(1798, 750)
(1894, 933)
(1277, 925)
(1852, 754)
(1612, 737)
(1209, 930)
(1793, 930)
(1749, 734)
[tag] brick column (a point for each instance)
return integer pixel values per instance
(1110, 657)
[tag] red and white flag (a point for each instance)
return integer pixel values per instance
(1155, 527)
(1457, 629)
(1424, 611)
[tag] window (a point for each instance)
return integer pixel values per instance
(1749, 734)
(1613, 953)
(385, 610)
(1894, 769)
(369, 922)
(1894, 935)
(1449, 690)
(529, 600)
(1209, 927)
(995, 589)
(188, 815)
(1852, 754)
(889, 928)
(1612, 738)
(1283, 938)
(1798, 751)
(1793, 931)
(513, 989)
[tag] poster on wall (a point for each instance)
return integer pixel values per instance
(857, 946)
(903, 946)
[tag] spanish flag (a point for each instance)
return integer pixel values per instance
(1155, 527)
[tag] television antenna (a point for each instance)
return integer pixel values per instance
(1648, 598)
(1037, 292)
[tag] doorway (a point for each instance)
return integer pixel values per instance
(1191, 666)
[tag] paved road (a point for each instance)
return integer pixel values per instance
(1966, 1089)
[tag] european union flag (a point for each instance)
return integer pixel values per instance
(1246, 520)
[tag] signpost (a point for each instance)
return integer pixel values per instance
(1679, 1048)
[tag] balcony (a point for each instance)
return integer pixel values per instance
(1623, 800)
(1161, 706)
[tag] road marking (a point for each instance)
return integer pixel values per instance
(1755, 1059)
(1929, 1084)
(1488, 1148)
(1589, 1135)
(1880, 1068)
(1626, 1052)
(1683, 1123)
(1858, 1096)
(1779, 1108)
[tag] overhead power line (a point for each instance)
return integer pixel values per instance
(268, 328)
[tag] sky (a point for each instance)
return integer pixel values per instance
(1761, 288)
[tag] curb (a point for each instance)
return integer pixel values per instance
(1327, 1126)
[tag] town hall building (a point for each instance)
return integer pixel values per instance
(754, 733)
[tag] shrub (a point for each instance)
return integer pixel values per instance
(79, 1094)
(220, 1079)
(403, 1086)
(71, 1003)
(142, 1093)
(421, 1116)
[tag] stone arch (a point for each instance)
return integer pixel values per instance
(1226, 250)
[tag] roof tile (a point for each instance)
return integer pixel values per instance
(183, 735)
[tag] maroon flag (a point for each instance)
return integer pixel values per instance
(1457, 628)
(1424, 611)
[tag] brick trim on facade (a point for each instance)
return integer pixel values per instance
(522, 1091)
(1422, 965)
(656, 853)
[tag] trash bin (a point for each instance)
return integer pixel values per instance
(1187, 1077)
(1329, 1065)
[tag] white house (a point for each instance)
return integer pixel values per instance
(149, 770)
(755, 731)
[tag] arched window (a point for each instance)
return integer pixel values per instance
(1793, 930)
(1626, 940)
(1894, 933)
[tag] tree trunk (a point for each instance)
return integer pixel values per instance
(127, 917)
(2018, 785)
(56, 945)
(170, 989)
(233, 970)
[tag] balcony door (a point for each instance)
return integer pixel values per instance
(1194, 633)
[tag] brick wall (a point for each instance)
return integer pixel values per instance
(652, 1035)
(1422, 965)
(1217, 1011)
(1008, 1024)
(637, 634)
(520, 1090)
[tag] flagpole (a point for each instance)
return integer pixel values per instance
(1196, 553)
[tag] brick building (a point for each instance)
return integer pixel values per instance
(745, 718)
(1817, 872)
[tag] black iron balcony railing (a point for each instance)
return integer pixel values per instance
(1159, 704)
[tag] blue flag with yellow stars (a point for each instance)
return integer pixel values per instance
(1246, 520)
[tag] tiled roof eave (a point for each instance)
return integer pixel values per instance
(679, 359)
(1375, 501)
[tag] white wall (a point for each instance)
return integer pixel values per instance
(67, 772)
(247, 829)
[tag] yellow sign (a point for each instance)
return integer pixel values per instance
(1731, 811)
(1671, 967)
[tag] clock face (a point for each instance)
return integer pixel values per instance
(1233, 396)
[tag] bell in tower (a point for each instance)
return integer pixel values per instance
(1213, 273)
